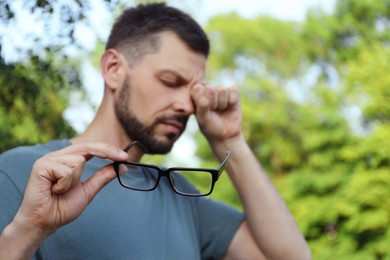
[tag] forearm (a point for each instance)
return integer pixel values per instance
(269, 220)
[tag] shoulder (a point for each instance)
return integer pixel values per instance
(19, 161)
(22, 153)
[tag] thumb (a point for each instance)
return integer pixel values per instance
(100, 179)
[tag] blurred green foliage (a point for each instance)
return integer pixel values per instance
(33, 97)
(301, 84)
(37, 77)
(331, 165)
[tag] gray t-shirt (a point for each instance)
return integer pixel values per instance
(121, 223)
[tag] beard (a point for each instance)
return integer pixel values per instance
(137, 131)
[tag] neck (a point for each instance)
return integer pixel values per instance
(105, 128)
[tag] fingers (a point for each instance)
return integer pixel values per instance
(208, 98)
(222, 98)
(63, 168)
(69, 177)
(90, 149)
(60, 173)
(201, 100)
(96, 182)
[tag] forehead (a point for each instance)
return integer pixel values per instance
(174, 55)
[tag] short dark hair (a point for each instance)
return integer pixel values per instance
(135, 31)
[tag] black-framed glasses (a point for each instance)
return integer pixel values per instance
(194, 182)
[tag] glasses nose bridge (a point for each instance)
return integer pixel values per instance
(164, 172)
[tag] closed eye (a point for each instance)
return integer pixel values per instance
(170, 83)
(171, 78)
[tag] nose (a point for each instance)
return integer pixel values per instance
(183, 102)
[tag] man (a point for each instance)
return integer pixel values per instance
(58, 200)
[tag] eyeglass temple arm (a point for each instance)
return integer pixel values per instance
(223, 163)
(139, 144)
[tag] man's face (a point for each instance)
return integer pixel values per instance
(154, 103)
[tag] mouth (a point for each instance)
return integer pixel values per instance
(173, 126)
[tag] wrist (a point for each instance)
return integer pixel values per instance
(235, 144)
(19, 241)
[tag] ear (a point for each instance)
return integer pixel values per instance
(113, 68)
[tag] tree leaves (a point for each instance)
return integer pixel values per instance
(336, 182)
